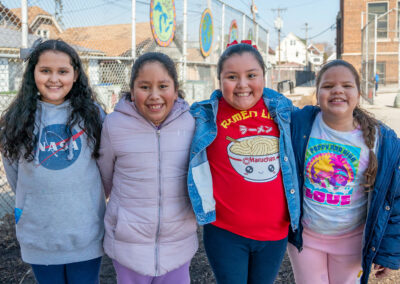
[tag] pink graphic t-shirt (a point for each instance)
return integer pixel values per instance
(335, 202)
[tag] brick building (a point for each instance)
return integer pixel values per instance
(353, 16)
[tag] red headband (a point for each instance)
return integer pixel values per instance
(243, 41)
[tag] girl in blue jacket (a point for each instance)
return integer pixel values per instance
(349, 175)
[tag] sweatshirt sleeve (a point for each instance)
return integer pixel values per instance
(11, 169)
(106, 161)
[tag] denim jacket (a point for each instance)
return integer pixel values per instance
(199, 177)
(381, 239)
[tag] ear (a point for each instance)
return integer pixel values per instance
(132, 95)
(75, 76)
(176, 95)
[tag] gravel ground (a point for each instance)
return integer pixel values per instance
(13, 270)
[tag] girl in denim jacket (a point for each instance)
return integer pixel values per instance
(349, 173)
(242, 180)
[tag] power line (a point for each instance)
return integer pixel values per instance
(324, 31)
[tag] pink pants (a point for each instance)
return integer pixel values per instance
(327, 259)
(128, 276)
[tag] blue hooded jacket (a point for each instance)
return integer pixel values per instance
(381, 239)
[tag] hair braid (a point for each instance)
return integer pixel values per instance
(369, 126)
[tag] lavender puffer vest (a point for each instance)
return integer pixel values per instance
(150, 224)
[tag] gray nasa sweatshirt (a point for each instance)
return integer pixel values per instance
(60, 202)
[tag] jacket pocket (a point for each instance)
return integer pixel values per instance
(53, 222)
(131, 227)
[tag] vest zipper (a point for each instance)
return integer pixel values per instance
(156, 253)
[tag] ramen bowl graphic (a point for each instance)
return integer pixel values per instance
(256, 158)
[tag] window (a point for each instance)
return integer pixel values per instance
(297, 54)
(316, 60)
(292, 42)
(43, 34)
(382, 25)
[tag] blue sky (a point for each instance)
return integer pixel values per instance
(319, 14)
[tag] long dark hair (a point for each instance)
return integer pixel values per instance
(367, 123)
(239, 49)
(161, 58)
(17, 123)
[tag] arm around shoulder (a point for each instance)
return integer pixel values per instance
(106, 161)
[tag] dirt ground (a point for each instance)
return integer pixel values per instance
(13, 270)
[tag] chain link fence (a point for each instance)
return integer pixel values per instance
(380, 52)
(368, 59)
(101, 32)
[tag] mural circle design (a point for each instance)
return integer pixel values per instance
(206, 32)
(163, 21)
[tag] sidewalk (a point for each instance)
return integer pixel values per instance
(383, 108)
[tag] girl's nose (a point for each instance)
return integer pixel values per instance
(242, 82)
(337, 89)
(53, 77)
(154, 93)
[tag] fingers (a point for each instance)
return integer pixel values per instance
(381, 272)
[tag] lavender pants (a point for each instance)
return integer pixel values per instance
(128, 276)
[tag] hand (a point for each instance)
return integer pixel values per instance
(381, 272)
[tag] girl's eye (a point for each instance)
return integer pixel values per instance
(326, 86)
(63, 71)
(252, 75)
(231, 77)
(163, 86)
(143, 87)
(44, 71)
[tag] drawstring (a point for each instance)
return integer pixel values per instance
(36, 158)
(70, 148)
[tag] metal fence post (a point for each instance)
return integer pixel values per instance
(397, 98)
(24, 15)
(375, 45)
(222, 27)
(243, 26)
(183, 79)
(133, 52)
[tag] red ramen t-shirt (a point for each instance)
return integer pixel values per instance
(245, 168)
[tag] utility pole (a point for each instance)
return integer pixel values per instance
(278, 26)
(306, 28)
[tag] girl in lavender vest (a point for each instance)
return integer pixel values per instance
(144, 153)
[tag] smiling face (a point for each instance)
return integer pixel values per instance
(242, 81)
(154, 92)
(338, 96)
(54, 76)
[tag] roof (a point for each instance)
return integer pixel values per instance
(9, 15)
(320, 47)
(34, 14)
(11, 39)
(296, 37)
(114, 40)
(271, 51)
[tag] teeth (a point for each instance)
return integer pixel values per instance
(155, 106)
(337, 100)
(242, 94)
